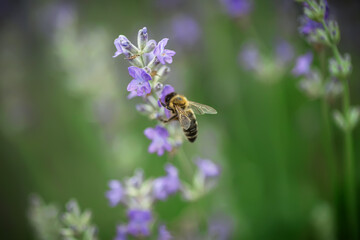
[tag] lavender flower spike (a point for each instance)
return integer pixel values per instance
(116, 192)
(303, 63)
(166, 90)
(165, 186)
(159, 136)
(164, 55)
(140, 83)
(139, 221)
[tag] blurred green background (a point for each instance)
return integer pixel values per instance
(67, 127)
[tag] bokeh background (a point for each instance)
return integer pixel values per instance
(67, 127)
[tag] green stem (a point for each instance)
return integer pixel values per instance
(348, 151)
(185, 162)
(349, 167)
(328, 135)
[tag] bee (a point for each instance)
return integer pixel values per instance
(184, 111)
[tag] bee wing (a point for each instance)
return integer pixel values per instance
(201, 108)
(183, 118)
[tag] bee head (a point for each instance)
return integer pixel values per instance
(169, 97)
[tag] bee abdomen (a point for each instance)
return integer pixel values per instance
(192, 131)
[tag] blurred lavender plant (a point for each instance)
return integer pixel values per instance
(138, 196)
(44, 219)
(267, 69)
(237, 8)
(77, 224)
(322, 31)
(49, 224)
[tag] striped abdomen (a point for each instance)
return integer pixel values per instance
(192, 131)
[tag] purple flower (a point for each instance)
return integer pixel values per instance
(284, 51)
(186, 30)
(165, 186)
(166, 90)
(208, 168)
(164, 55)
(303, 63)
(116, 192)
(140, 83)
(164, 233)
(159, 136)
(139, 221)
(309, 26)
(118, 47)
(237, 8)
(121, 232)
(249, 57)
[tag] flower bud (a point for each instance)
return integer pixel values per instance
(340, 68)
(150, 46)
(334, 32)
(319, 36)
(142, 38)
(127, 45)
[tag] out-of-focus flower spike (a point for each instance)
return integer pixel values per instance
(303, 63)
(142, 38)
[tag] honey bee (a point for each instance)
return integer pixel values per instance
(184, 111)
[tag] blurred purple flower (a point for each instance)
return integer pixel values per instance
(164, 233)
(165, 186)
(303, 63)
(115, 193)
(164, 55)
(139, 221)
(159, 136)
(221, 227)
(121, 232)
(308, 26)
(284, 52)
(208, 168)
(186, 30)
(140, 83)
(249, 57)
(237, 8)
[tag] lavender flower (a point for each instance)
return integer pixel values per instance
(119, 50)
(164, 233)
(237, 8)
(115, 194)
(162, 54)
(208, 168)
(159, 136)
(303, 63)
(249, 57)
(139, 222)
(284, 52)
(121, 232)
(166, 90)
(140, 83)
(165, 186)
(186, 30)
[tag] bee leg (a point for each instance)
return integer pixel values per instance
(170, 119)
